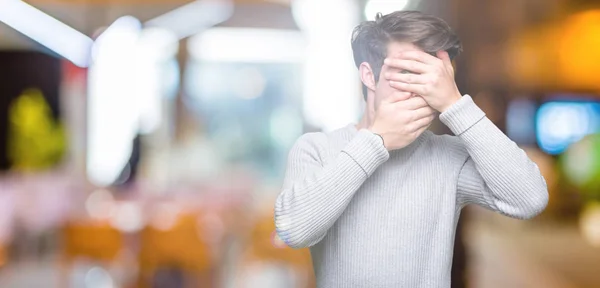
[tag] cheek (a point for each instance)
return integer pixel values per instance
(383, 88)
(381, 92)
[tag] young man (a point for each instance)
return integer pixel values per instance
(378, 202)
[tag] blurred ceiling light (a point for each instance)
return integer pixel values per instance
(155, 48)
(247, 45)
(46, 30)
(125, 93)
(333, 101)
(113, 117)
(194, 17)
(384, 7)
(158, 43)
(124, 31)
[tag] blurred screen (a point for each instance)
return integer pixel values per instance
(562, 123)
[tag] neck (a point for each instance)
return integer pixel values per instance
(365, 122)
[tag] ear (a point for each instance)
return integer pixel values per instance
(366, 75)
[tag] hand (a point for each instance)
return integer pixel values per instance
(433, 78)
(399, 121)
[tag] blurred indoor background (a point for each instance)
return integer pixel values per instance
(143, 142)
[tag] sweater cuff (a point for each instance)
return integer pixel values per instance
(367, 150)
(462, 115)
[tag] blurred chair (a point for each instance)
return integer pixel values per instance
(178, 248)
(3, 256)
(97, 241)
(265, 248)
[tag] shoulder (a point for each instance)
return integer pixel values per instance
(309, 146)
(324, 140)
(448, 145)
(311, 141)
(321, 144)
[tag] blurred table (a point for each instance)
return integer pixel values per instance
(510, 253)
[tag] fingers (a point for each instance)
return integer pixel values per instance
(420, 89)
(422, 129)
(423, 123)
(407, 78)
(410, 65)
(413, 103)
(423, 113)
(419, 56)
(445, 59)
(397, 97)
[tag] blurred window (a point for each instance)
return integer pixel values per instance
(246, 86)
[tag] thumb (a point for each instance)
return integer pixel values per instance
(446, 59)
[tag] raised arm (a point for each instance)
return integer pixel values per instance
(498, 174)
(315, 195)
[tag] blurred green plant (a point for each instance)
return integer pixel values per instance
(35, 141)
(581, 165)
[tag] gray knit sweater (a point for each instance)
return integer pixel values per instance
(378, 219)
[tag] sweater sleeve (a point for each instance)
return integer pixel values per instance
(497, 174)
(315, 195)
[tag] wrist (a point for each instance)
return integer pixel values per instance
(457, 96)
(376, 133)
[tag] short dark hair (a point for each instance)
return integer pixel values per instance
(430, 33)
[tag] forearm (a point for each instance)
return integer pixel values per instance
(513, 184)
(308, 207)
